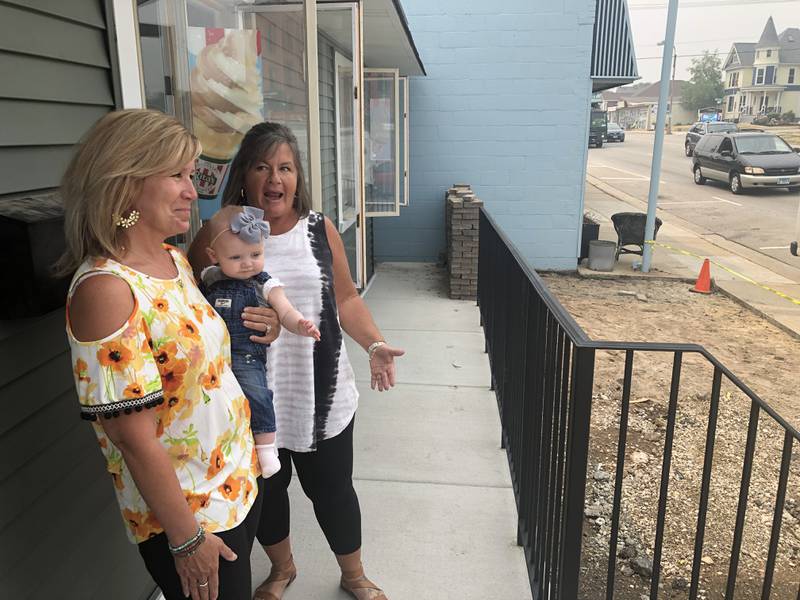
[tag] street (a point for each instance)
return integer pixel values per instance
(763, 220)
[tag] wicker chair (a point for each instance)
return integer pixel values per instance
(630, 231)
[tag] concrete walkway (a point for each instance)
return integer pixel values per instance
(604, 200)
(439, 519)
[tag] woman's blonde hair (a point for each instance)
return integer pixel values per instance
(107, 172)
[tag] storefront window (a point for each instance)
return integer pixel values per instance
(221, 66)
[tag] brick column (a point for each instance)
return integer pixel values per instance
(462, 241)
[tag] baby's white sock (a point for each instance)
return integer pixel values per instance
(268, 458)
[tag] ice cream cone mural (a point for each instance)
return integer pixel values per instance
(225, 81)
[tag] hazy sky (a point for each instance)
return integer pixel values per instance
(703, 25)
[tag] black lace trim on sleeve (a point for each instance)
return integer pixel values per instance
(114, 409)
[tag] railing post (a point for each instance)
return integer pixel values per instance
(577, 461)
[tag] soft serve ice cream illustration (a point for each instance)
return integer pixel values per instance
(226, 98)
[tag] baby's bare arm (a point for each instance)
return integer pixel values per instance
(291, 318)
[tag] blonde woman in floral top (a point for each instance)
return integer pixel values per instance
(151, 359)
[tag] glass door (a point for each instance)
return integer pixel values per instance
(339, 63)
(222, 66)
(280, 30)
(162, 43)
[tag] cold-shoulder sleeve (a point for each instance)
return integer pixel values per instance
(117, 374)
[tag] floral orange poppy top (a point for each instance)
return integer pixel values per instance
(172, 355)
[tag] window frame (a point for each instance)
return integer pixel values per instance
(792, 77)
(340, 59)
(396, 80)
(404, 84)
(759, 76)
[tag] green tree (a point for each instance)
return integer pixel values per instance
(705, 87)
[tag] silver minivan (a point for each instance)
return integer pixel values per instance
(747, 160)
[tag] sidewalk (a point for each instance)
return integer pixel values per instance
(603, 200)
(438, 512)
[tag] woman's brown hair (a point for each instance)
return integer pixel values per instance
(261, 142)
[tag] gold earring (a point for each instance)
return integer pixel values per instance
(129, 221)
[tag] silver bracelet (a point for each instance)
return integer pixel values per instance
(373, 347)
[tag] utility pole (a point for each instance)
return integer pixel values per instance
(658, 146)
(672, 90)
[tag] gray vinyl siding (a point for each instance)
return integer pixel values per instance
(327, 128)
(56, 81)
(61, 533)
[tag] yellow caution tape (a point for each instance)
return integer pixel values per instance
(729, 270)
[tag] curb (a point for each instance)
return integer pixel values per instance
(766, 316)
(587, 273)
(762, 260)
(641, 204)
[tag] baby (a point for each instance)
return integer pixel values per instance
(237, 280)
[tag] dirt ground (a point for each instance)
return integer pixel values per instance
(762, 356)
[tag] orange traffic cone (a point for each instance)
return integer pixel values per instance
(703, 284)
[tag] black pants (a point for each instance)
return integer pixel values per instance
(234, 577)
(326, 476)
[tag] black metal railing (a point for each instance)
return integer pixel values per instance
(543, 367)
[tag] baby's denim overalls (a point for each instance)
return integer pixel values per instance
(229, 297)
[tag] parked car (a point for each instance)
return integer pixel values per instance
(615, 133)
(698, 130)
(747, 160)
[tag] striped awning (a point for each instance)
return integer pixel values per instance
(613, 56)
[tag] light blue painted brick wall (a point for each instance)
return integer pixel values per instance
(504, 108)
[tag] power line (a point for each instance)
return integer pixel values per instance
(707, 4)
(715, 53)
(688, 42)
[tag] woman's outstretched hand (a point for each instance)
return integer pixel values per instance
(382, 367)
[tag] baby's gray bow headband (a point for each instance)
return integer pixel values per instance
(250, 225)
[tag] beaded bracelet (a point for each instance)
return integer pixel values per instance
(190, 546)
(190, 550)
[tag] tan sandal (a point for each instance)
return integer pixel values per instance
(285, 571)
(359, 581)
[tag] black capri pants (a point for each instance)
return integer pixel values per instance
(234, 577)
(326, 476)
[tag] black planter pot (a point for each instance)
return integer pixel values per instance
(591, 231)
